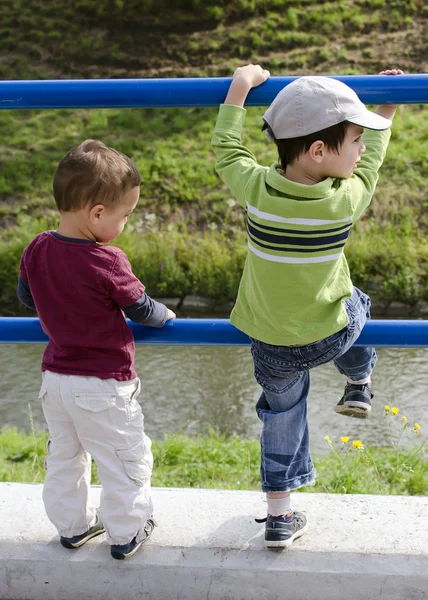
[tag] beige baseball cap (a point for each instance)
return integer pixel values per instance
(310, 104)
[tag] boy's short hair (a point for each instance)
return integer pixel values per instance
(290, 149)
(92, 173)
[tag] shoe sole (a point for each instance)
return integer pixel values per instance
(286, 543)
(70, 546)
(358, 410)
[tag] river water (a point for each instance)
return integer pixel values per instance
(193, 389)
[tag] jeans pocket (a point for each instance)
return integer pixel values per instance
(325, 350)
(277, 359)
(273, 371)
(275, 382)
(94, 401)
(137, 462)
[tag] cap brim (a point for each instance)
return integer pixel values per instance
(370, 120)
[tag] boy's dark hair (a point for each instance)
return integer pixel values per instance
(290, 149)
(92, 173)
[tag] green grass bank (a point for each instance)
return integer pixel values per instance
(222, 462)
(187, 236)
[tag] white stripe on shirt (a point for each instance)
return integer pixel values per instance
(292, 260)
(270, 217)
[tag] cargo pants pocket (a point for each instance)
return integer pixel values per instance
(48, 447)
(43, 388)
(133, 409)
(137, 461)
(95, 401)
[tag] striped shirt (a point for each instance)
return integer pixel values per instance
(296, 277)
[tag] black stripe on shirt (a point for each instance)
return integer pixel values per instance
(287, 250)
(296, 241)
(298, 231)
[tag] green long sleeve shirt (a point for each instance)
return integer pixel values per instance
(296, 277)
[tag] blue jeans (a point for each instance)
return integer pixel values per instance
(283, 374)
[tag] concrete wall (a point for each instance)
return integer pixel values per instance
(208, 547)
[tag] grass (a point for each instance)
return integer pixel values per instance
(221, 462)
(102, 38)
(186, 236)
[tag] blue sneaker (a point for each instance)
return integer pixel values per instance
(281, 531)
(356, 401)
(120, 552)
(78, 540)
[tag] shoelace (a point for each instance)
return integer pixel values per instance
(265, 519)
(361, 388)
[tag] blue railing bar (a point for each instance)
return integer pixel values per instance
(211, 91)
(219, 332)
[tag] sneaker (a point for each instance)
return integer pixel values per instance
(355, 402)
(281, 532)
(78, 540)
(120, 552)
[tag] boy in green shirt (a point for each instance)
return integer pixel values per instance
(296, 300)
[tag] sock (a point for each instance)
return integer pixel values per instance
(278, 506)
(366, 381)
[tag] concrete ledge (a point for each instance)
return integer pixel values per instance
(207, 546)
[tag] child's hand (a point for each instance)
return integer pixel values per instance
(170, 314)
(388, 110)
(392, 72)
(243, 80)
(250, 75)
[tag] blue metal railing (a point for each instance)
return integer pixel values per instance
(116, 93)
(219, 332)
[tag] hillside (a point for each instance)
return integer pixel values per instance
(144, 38)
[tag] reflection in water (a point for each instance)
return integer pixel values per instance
(193, 389)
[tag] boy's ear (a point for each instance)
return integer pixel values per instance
(317, 151)
(96, 212)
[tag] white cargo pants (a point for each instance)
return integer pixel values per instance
(88, 416)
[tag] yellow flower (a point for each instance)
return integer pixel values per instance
(404, 419)
(417, 426)
(344, 439)
(416, 429)
(395, 411)
(326, 438)
(357, 444)
(386, 407)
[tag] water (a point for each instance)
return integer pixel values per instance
(193, 389)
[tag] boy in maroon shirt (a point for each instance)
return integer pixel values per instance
(82, 291)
